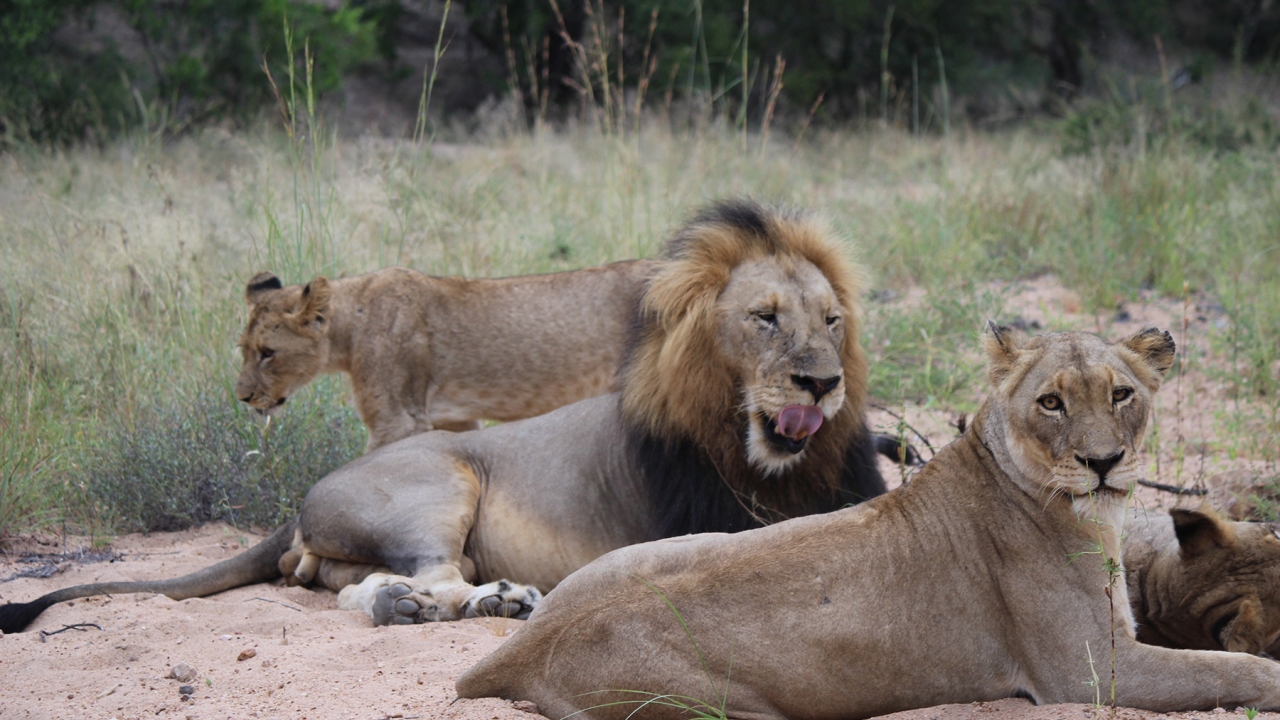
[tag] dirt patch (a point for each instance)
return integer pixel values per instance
(309, 659)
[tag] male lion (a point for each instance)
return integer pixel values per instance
(993, 574)
(742, 403)
(429, 353)
(1200, 582)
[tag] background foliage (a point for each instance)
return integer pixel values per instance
(914, 61)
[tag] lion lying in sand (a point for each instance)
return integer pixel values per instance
(995, 573)
(428, 353)
(742, 403)
(1200, 582)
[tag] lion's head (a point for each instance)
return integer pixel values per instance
(747, 357)
(1075, 407)
(1220, 592)
(285, 344)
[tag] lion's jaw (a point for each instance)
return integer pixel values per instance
(785, 317)
(1071, 411)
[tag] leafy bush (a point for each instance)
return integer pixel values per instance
(209, 459)
(204, 57)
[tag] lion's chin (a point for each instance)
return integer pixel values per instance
(268, 408)
(768, 450)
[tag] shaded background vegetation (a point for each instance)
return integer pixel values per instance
(156, 154)
(75, 68)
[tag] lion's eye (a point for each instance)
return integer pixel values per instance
(832, 320)
(768, 317)
(267, 353)
(1052, 403)
(1121, 394)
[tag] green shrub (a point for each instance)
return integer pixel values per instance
(205, 58)
(208, 458)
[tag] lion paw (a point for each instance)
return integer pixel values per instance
(398, 604)
(502, 599)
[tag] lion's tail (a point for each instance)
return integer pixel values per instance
(257, 564)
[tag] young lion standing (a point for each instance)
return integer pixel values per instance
(995, 573)
(430, 353)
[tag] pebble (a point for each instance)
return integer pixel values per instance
(246, 654)
(182, 672)
(186, 690)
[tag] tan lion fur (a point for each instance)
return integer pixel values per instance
(1198, 581)
(429, 353)
(444, 525)
(985, 577)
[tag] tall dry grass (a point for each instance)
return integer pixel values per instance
(123, 271)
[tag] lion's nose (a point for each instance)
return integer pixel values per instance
(817, 386)
(1101, 466)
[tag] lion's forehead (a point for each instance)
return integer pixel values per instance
(769, 281)
(1082, 366)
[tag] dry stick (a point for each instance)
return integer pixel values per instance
(808, 119)
(1173, 488)
(884, 66)
(775, 89)
(513, 80)
(78, 626)
(1177, 402)
(622, 104)
(746, 26)
(648, 66)
(915, 95)
(277, 602)
(546, 77)
(908, 426)
(531, 66)
(1164, 79)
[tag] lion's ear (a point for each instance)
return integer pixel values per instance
(1003, 349)
(1200, 530)
(259, 285)
(313, 306)
(1155, 348)
(1246, 631)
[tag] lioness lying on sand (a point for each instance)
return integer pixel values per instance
(995, 573)
(441, 353)
(1200, 582)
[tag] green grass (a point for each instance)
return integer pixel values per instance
(121, 290)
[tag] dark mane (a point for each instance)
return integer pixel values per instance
(688, 495)
(685, 433)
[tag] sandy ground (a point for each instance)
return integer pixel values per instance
(310, 660)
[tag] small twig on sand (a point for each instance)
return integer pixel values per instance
(276, 602)
(907, 425)
(78, 626)
(1173, 488)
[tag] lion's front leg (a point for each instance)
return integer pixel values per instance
(437, 595)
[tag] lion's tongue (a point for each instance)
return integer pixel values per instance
(799, 421)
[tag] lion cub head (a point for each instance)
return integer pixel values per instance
(285, 344)
(748, 342)
(1074, 408)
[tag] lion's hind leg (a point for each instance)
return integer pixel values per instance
(436, 595)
